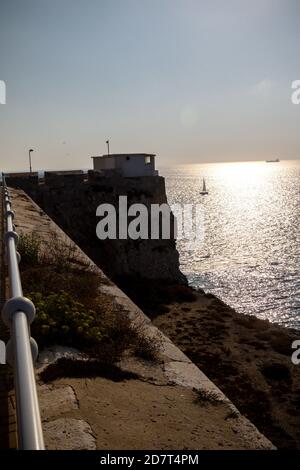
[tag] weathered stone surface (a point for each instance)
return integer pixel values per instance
(73, 207)
(68, 434)
(55, 400)
(172, 353)
(188, 375)
(55, 352)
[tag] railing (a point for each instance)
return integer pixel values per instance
(21, 350)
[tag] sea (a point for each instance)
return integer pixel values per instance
(250, 253)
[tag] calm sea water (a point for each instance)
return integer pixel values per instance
(250, 257)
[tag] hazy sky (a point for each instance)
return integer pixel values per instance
(190, 80)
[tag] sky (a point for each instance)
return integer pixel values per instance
(189, 80)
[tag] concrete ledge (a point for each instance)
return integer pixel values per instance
(69, 434)
(55, 399)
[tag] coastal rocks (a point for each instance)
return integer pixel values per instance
(277, 371)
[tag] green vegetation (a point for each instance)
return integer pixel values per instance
(29, 247)
(69, 308)
(62, 319)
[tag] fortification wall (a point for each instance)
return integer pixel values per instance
(71, 201)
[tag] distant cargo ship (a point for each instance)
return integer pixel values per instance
(273, 161)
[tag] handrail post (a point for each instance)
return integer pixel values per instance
(18, 312)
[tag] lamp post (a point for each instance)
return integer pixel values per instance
(107, 142)
(30, 169)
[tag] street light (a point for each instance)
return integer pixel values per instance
(30, 169)
(107, 142)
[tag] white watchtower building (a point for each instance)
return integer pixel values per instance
(127, 164)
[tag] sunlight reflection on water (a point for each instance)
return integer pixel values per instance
(251, 253)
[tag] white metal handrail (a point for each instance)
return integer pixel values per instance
(18, 312)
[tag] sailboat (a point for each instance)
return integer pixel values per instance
(204, 190)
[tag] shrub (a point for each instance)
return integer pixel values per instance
(61, 319)
(145, 347)
(62, 255)
(80, 284)
(103, 335)
(29, 246)
(70, 309)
